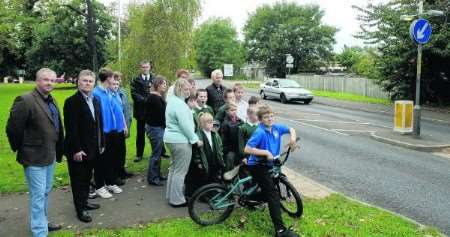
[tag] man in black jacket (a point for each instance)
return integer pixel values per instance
(140, 89)
(84, 141)
(215, 91)
(35, 132)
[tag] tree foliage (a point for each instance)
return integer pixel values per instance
(37, 34)
(160, 31)
(382, 27)
(288, 28)
(359, 60)
(61, 41)
(215, 44)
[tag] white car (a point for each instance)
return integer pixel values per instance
(286, 90)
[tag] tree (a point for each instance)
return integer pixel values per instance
(382, 27)
(359, 60)
(17, 21)
(349, 56)
(216, 43)
(288, 28)
(61, 42)
(160, 31)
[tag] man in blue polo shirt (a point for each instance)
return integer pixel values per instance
(264, 146)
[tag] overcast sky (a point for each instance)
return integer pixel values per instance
(338, 13)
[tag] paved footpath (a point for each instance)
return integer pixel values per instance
(138, 204)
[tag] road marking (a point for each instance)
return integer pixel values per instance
(314, 126)
(331, 121)
(350, 130)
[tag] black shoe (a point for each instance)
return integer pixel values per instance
(137, 159)
(119, 182)
(53, 227)
(84, 216)
(155, 183)
(91, 206)
(179, 205)
(286, 233)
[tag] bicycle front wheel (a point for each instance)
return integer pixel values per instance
(290, 199)
(209, 206)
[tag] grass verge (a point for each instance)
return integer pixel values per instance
(333, 216)
(12, 177)
(351, 97)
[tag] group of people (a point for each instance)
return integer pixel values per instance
(207, 132)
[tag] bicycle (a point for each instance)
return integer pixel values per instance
(213, 203)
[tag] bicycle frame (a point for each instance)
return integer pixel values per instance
(237, 183)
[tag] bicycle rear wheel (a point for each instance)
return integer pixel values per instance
(290, 199)
(208, 205)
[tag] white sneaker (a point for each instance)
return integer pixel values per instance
(103, 193)
(114, 188)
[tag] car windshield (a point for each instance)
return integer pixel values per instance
(289, 84)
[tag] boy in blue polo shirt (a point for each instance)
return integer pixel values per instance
(265, 143)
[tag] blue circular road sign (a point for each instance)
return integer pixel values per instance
(420, 31)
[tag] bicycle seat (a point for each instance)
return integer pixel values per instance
(232, 173)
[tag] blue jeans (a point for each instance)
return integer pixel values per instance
(155, 134)
(40, 180)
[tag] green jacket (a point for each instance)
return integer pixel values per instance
(207, 108)
(221, 112)
(244, 133)
(199, 154)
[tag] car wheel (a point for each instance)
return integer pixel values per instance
(283, 99)
(306, 102)
(263, 95)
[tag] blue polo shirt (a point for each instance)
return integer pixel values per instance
(104, 96)
(266, 140)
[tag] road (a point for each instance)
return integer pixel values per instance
(338, 152)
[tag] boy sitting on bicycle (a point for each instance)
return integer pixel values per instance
(263, 146)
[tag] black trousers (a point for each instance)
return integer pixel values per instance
(140, 137)
(269, 192)
(80, 177)
(104, 168)
(121, 149)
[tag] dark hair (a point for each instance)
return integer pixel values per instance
(201, 90)
(104, 73)
(145, 62)
(192, 98)
(226, 92)
(253, 100)
(158, 81)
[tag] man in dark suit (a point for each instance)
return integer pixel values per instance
(35, 132)
(84, 141)
(140, 89)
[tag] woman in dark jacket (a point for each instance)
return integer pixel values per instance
(207, 161)
(154, 127)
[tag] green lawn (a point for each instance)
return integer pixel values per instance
(12, 178)
(351, 97)
(334, 216)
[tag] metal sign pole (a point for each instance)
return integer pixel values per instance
(417, 109)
